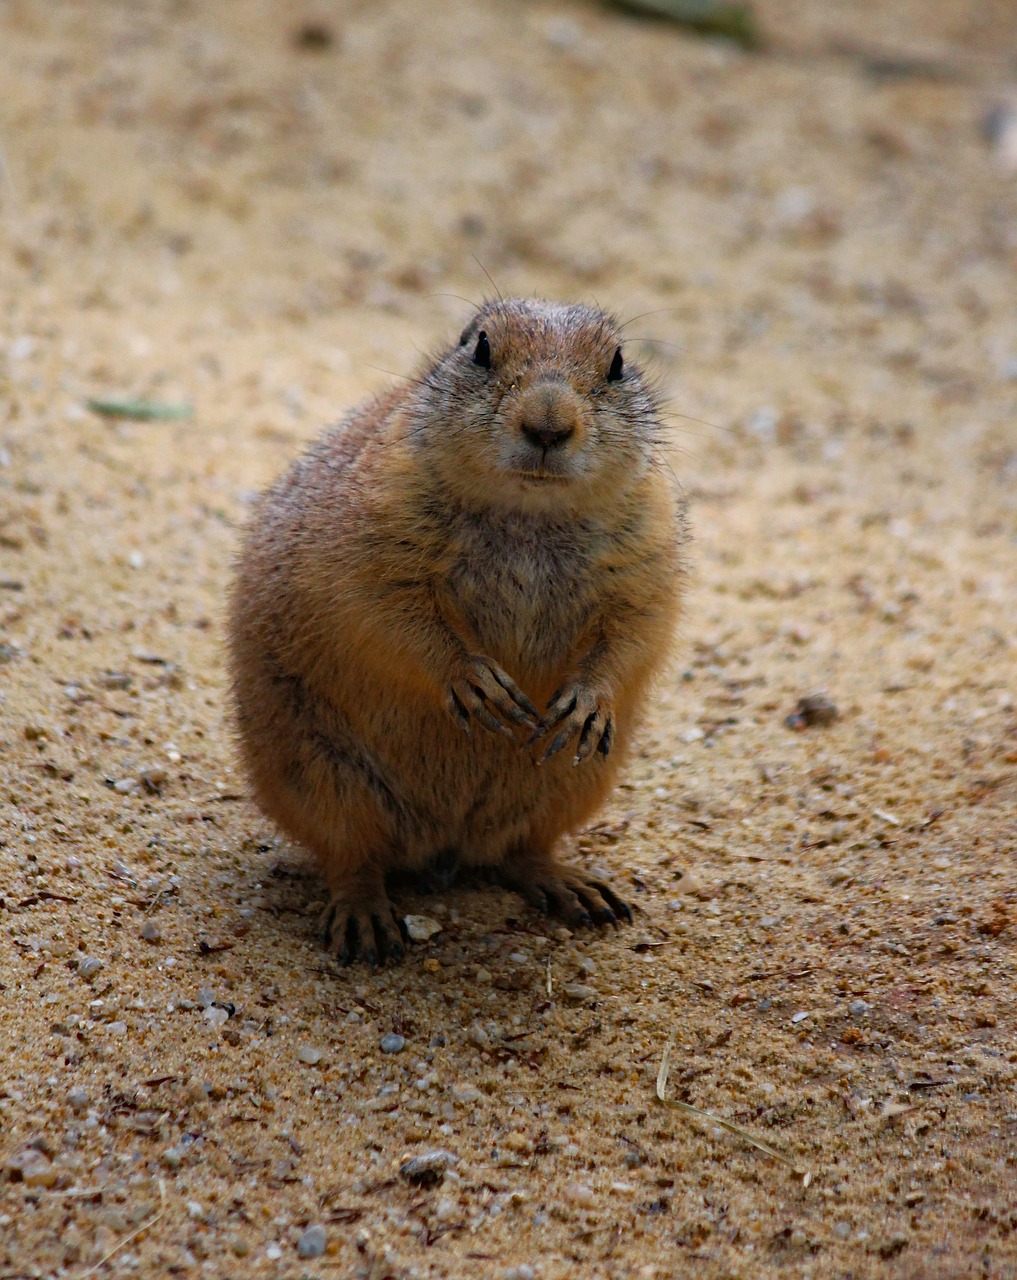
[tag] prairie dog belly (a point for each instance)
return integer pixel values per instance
(478, 795)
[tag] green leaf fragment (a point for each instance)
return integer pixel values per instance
(140, 410)
(707, 17)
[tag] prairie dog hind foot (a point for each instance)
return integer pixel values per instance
(363, 926)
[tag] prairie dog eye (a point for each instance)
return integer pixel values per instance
(617, 365)
(482, 355)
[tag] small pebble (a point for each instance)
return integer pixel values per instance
(813, 709)
(89, 967)
(32, 1166)
(21, 347)
(78, 1098)
(153, 779)
(391, 1042)
(691, 883)
(798, 1017)
(465, 1093)
(420, 928)
(273, 1252)
(762, 422)
(313, 1242)
(478, 1036)
(579, 991)
(151, 932)
(445, 1209)
(522, 1272)
(842, 1229)
(313, 36)
(126, 786)
(579, 1194)
(858, 1006)
(216, 1016)
(115, 680)
(38, 1172)
(311, 1056)
(172, 1157)
(427, 1170)
(1000, 129)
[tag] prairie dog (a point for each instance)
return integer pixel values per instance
(447, 615)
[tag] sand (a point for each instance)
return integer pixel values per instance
(199, 204)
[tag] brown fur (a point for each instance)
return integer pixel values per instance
(479, 543)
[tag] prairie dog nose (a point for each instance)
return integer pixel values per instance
(548, 414)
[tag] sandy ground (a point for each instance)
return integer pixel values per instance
(198, 207)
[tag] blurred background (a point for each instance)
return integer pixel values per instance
(322, 179)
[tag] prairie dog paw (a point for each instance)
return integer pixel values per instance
(483, 689)
(577, 709)
(575, 896)
(363, 930)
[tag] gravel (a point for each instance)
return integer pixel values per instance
(421, 928)
(313, 1242)
(427, 1170)
(391, 1042)
(579, 1194)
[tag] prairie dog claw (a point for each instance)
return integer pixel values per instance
(370, 931)
(579, 710)
(574, 896)
(484, 689)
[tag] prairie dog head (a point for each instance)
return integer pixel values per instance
(536, 409)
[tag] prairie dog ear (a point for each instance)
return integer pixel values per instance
(470, 331)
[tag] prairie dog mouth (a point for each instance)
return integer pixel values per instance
(542, 477)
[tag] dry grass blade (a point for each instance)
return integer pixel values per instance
(758, 1143)
(133, 1236)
